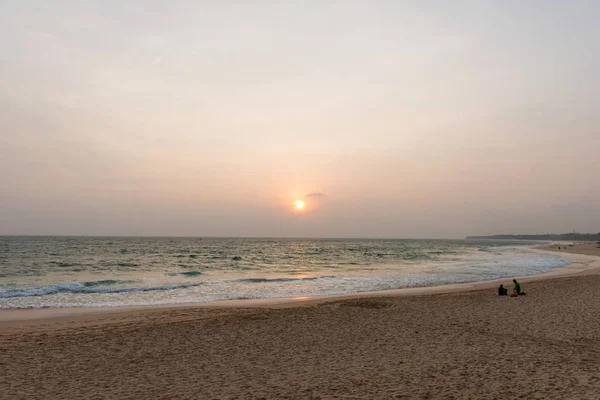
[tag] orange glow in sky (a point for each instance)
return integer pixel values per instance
(266, 138)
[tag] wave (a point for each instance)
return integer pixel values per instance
(191, 273)
(506, 249)
(273, 280)
(64, 264)
(88, 288)
(187, 273)
(493, 249)
(105, 282)
(514, 265)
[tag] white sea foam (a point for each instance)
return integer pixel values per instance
(77, 287)
(362, 266)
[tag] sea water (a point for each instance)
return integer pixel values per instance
(118, 271)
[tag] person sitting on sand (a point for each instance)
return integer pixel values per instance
(517, 288)
(502, 291)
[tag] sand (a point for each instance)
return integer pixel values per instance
(587, 248)
(465, 343)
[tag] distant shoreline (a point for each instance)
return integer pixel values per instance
(264, 237)
(578, 237)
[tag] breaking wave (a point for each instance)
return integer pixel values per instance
(87, 288)
(274, 280)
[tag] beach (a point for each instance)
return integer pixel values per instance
(462, 342)
(292, 200)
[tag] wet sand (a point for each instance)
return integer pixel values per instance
(463, 343)
(585, 248)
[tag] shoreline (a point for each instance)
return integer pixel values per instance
(579, 264)
(460, 341)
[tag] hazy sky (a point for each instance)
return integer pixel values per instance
(401, 118)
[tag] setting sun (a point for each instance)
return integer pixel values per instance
(299, 204)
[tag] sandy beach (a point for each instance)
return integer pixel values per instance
(461, 342)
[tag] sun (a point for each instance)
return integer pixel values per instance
(299, 204)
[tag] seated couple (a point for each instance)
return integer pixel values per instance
(516, 290)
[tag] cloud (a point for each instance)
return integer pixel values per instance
(316, 194)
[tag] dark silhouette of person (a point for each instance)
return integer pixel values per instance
(502, 291)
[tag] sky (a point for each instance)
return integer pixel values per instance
(404, 119)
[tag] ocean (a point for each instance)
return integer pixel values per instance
(63, 271)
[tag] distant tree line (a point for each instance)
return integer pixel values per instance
(549, 236)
